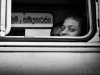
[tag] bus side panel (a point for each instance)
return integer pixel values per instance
(50, 63)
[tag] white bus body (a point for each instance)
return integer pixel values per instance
(51, 58)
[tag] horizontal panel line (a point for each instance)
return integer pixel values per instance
(49, 51)
(66, 46)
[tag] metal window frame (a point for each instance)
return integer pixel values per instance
(92, 22)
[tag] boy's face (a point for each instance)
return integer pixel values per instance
(56, 31)
(70, 28)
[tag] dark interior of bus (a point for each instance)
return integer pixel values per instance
(58, 8)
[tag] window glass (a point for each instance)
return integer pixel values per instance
(38, 17)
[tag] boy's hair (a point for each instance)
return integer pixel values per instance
(82, 19)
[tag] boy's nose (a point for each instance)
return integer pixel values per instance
(64, 33)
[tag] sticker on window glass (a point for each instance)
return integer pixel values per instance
(32, 20)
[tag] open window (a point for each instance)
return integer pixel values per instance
(32, 20)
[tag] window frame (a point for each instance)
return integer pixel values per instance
(92, 22)
(2, 15)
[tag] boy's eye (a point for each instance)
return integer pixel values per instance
(72, 29)
(63, 28)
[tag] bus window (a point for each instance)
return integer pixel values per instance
(33, 20)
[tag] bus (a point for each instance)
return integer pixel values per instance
(26, 44)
